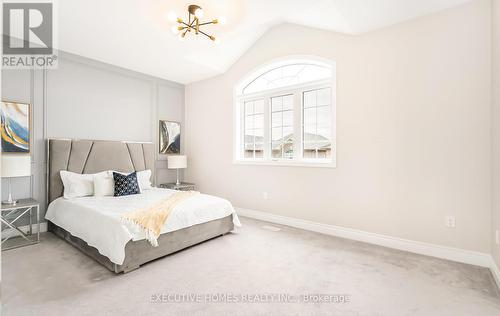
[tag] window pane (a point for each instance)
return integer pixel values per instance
(249, 122)
(288, 141)
(323, 117)
(254, 143)
(248, 107)
(291, 74)
(276, 104)
(258, 121)
(288, 102)
(276, 119)
(276, 150)
(324, 97)
(288, 134)
(282, 126)
(288, 150)
(323, 143)
(309, 154)
(317, 124)
(310, 120)
(253, 127)
(248, 153)
(259, 143)
(309, 99)
(287, 118)
(276, 134)
(249, 144)
(259, 106)
(325, 133)
(309, 130)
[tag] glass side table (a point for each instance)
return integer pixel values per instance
(184, 186)
(9, 216)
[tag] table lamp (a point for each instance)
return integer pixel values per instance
(15, 166)
(177, 162)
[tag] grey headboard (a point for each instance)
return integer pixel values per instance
(92, 156)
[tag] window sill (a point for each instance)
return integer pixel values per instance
(282, 163)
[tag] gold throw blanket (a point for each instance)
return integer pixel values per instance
(150, 220)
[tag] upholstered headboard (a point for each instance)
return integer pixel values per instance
(92, 156)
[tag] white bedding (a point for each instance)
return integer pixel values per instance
(96, 220)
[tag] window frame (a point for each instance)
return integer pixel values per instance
(244, 116)
(303, 129)
(270, 127)
(297, 91)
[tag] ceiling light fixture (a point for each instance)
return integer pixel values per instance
(193, 24)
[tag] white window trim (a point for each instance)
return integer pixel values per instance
(296, 90)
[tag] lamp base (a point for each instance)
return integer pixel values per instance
(10, 200)
(177, 182)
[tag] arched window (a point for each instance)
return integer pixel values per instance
(288, 75)
(286, 112)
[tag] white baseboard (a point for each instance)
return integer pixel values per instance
(433, 250)
(495, 271)
(9, 232)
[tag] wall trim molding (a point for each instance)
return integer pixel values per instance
(427, 249)
(422, 248)
(9, 232)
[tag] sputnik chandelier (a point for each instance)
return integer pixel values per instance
(193, 24)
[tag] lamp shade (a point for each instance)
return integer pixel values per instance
(16, 166)
(177, 162)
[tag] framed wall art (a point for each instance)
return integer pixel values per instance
(170, 137)
(15, 127)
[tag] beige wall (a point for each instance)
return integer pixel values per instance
(413, 131)
(496, 128)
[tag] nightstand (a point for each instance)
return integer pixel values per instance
(184, 186)
(10, 214)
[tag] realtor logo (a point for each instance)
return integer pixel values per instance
(28, 35)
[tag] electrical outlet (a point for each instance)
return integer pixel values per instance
(497, 237)
(450, 221)
(265, 196)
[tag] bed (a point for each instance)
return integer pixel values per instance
(93, 224)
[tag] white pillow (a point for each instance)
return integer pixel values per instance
(77, 185)
(104, 184)
(143, 179)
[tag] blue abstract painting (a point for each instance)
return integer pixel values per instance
(15, 119)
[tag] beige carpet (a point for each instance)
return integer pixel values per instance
(53, 278)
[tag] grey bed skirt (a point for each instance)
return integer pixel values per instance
(140, 252)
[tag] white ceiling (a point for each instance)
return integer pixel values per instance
(136, 34)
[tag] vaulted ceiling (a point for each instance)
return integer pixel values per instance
(135, 34)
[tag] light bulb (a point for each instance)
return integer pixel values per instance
(172, 17)
(217, 40)
(175, 29)
(199, 13)
(181, 37)
(222, 20)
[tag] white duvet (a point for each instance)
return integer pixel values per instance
(96, 220)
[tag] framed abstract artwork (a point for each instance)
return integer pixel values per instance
(170, 137)
(16, 127)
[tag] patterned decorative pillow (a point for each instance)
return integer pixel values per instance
(126, 184)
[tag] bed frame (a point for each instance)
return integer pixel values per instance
(93, 156)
